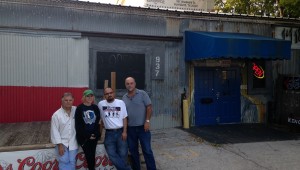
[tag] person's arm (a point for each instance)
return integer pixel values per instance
(124, 134)
(101, 127)
(97, 125)
(79, 127)
(55, 135)
(61, 150)
(148, 117)
(148, 112)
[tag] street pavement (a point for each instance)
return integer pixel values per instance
(176, 149)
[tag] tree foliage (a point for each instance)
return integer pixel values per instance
(278, 8)
(290, 8)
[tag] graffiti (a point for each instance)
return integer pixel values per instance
(258, 71)
(286, 32)
(293, 121)
(249, 111)
(292, 83)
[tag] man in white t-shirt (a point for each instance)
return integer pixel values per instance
(114, 117)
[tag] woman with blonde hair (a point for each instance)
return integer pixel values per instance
(87, 117)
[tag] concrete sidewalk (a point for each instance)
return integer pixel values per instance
(175, 149)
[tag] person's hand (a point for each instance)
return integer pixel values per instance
(147, 126)
(124, 136)
(93, 137)
(100, 136)
(61, 150)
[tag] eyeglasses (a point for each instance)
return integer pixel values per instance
(109, 93)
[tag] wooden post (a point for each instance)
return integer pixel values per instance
(113, 81)
(185, 114)
(105, 84)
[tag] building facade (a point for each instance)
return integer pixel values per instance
(49, 47)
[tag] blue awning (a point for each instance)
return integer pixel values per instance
(211, 45)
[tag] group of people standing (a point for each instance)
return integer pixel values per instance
(126, 121)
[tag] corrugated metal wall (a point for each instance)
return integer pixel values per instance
(237, 26)
(165, 93)
(135, 30)
(43, 61)
(288, 67)
(35, 71)
(77, 17)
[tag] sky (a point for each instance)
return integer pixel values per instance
(127, 2)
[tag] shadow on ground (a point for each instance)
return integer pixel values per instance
(241, 133)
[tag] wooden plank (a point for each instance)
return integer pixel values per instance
(21, 133)
(5, 133)
(10, 133)
(105, 84)
(45, 135)
(6, 138)
(26, 147)
(18, 139)
(113, 80)
(37, 131)
(26, 136)
(28, 133)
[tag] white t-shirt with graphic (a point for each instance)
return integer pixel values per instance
(112, 114)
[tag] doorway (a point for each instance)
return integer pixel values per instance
(217, 96)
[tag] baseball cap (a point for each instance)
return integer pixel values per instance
(88, 92)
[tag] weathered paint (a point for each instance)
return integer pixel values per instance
(124, 28)
(43, 60)
(26, 104)
(35, 70)
(164, 93)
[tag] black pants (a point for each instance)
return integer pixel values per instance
(89, 149)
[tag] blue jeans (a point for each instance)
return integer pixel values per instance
(116, 148)
(68, 160)
(134, 135)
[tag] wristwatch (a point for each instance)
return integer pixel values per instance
(148, 121)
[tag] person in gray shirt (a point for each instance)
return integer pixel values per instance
(139, 109)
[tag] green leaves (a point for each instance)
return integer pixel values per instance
(290, 8)
(278, 8)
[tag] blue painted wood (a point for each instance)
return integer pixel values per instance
(217, 96)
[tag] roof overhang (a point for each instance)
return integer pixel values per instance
(212, 45)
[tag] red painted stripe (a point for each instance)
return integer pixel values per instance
(29, 104)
